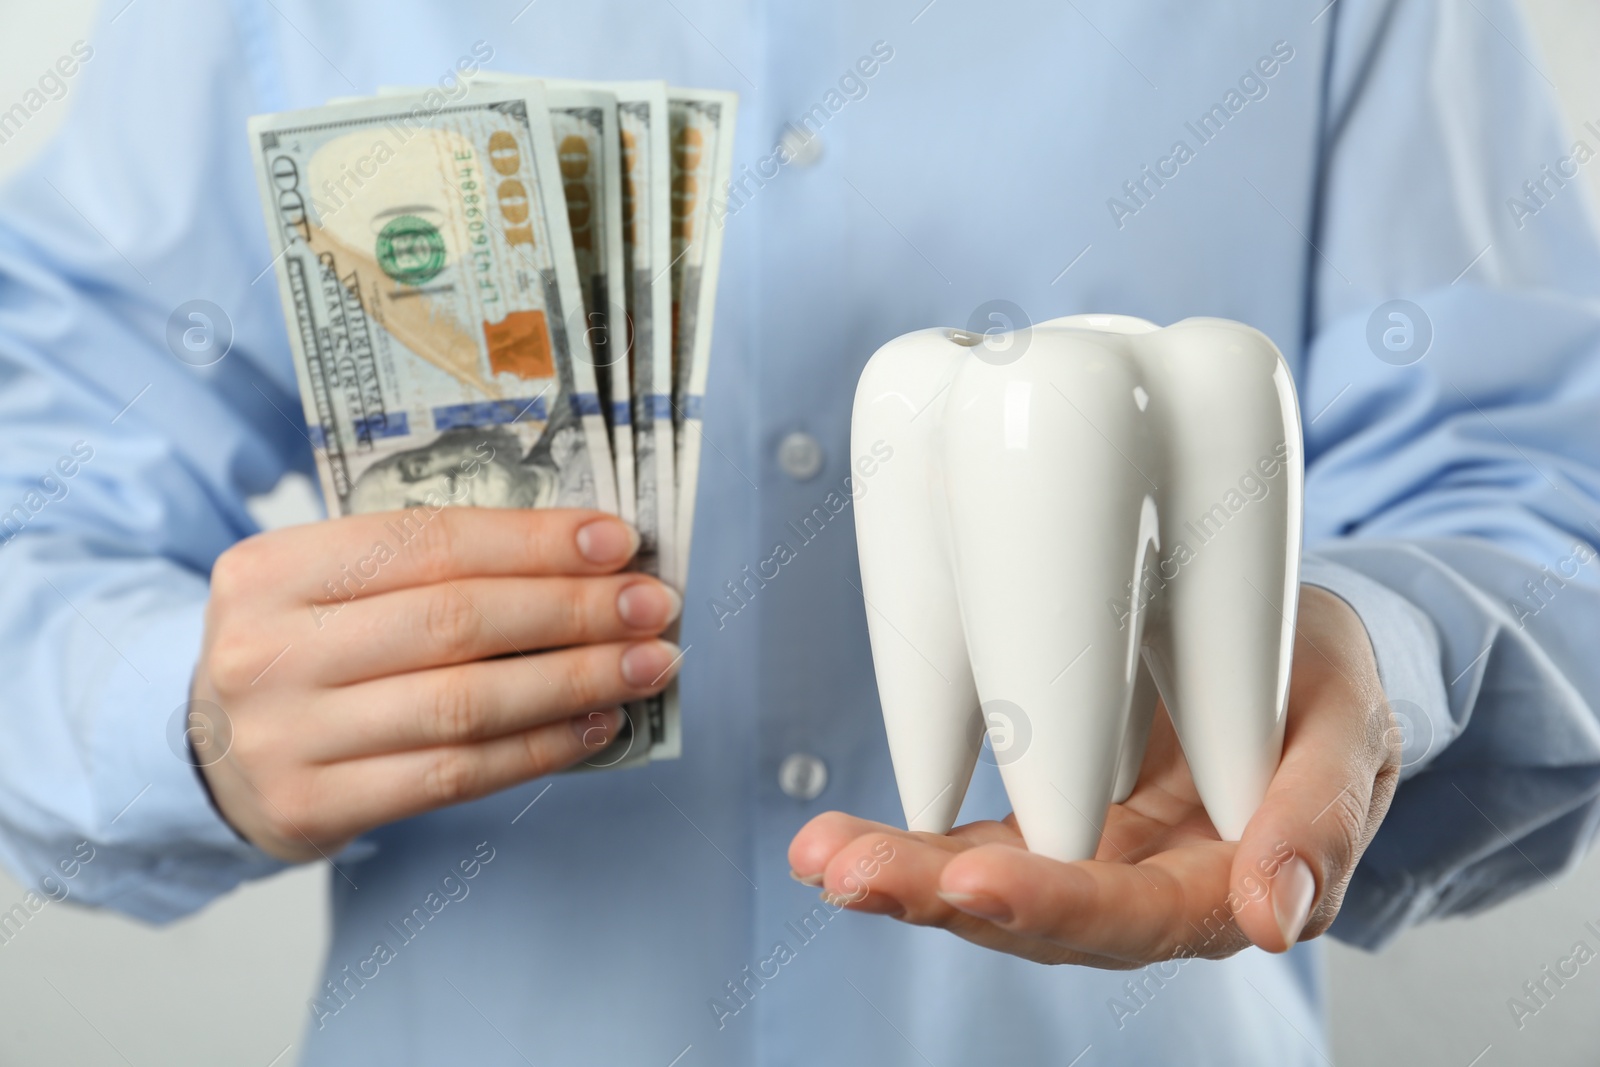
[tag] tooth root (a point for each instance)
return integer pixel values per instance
(1049, 517)
(1141, 712)
(1231, 528)
(930, 707)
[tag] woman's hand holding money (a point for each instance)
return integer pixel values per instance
(375, 667)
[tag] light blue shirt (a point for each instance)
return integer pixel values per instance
(1332, 159)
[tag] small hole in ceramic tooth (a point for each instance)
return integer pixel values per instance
(965, 338)
(1141, 397)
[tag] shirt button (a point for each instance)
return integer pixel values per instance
(800, 456)
(803, 147)
(802, 776)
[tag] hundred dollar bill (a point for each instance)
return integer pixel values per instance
(642, 397)
(426, 271)
(647, 251)
(642, 112)
(647, 241)
(632, 746)
(702, 122)
(584, 125)
(589, 146)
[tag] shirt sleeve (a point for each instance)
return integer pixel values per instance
(131, 433)
(1450, 393)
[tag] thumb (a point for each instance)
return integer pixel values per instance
(1332, 785)
(1302, 843)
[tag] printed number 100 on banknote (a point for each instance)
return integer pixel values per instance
(426, 265)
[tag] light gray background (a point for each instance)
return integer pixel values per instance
(230, 985)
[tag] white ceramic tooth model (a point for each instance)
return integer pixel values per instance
(1073, 517)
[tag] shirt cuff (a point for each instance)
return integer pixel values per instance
(168, 851)
(1406, 646)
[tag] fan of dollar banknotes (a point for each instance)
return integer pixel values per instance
(505, 299)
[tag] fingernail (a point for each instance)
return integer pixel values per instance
(812, 880)
(648, 605)
(597, 728)
(607, 541)
(649, 663)
(979, 904)
(1292, 891)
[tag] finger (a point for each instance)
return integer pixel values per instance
(825, 835)
(896, 872)
(989, 832)
(816, 848)
(1134, 913)
(889, 872)
(1302, 845)
(1323, 804)
(478, 701)
(363, 555)
(473, 618)
(379, 790)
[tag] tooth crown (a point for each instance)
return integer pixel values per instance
(1073, 516)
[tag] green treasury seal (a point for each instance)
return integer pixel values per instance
(410, 250)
